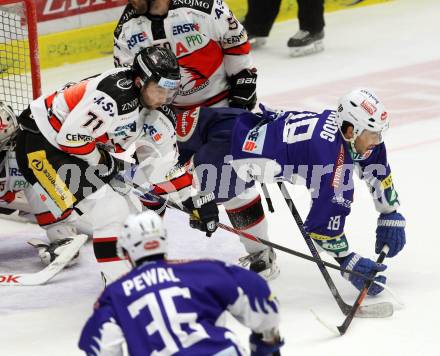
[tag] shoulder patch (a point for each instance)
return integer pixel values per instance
(120, 87)
(186, 124)
(201, 5)
(129, 13)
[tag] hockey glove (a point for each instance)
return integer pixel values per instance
(390, 231)
(243, 92)
(49, 252)
(357, 263)
(203, 213)
(259, 347)
(109, 166)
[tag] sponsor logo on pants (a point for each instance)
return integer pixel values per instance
(50, 180)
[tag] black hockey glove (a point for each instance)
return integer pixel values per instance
(243, 92)
(109, 166)
(203, 213)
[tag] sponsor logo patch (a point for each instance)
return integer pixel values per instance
(151, 245)
(340, 200)
(368, 107)
(124, 84)
(78, 138)
(387, 182)
(185, 28)
(136, 38)
(254, 141)
(50, 180)
(338, 168)
(201, 5)
(155, 135)
(186, 124)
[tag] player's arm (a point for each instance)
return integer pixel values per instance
(157, 150)
(122, 55)
(102, 335)
(254, 305)
(376, 173)
(239, 66)
(85, 127)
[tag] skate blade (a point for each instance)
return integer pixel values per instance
(312, 48)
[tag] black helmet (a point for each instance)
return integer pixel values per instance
(158, 64)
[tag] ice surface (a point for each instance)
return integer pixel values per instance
(390, 47)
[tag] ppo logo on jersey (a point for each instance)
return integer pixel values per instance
(384, 116)
(254, 141)
(186, 124)
(368, 107)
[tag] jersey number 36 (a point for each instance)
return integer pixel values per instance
(175, 319)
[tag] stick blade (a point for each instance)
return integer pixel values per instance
(378, 310)
(43, 276)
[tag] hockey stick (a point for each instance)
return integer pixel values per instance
(45, 275)
(246, 235)
(379, 310)
(267, 197)
(363, 293)
(341, 330)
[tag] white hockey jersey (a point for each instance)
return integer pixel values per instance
(104, 110)
(11, 179)
(209, 42)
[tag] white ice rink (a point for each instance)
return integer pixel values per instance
(392, 48)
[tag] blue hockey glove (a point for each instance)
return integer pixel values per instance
(390, 231)
(262, 348)
(357, 263)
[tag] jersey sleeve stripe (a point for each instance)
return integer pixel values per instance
(46, 218)
(211, 101)
(244, 48)
(173, 185)
(8, 197)
(79, 150)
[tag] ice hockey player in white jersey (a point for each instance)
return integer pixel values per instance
(210, 43)
(64, 142)
(164, 306)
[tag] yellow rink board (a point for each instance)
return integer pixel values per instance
(97, 41)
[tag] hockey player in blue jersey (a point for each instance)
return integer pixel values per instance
(165, 307)
(321, 149)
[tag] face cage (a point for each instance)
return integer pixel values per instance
(11, 125)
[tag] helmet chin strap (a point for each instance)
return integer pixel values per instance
(354, 154)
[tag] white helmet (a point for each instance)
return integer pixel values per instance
(142, 236)
(8, 123)
(364, 111)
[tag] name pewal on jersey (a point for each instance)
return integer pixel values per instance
(163, 306)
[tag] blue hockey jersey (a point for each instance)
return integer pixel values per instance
(177, 308)
(292, 144)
